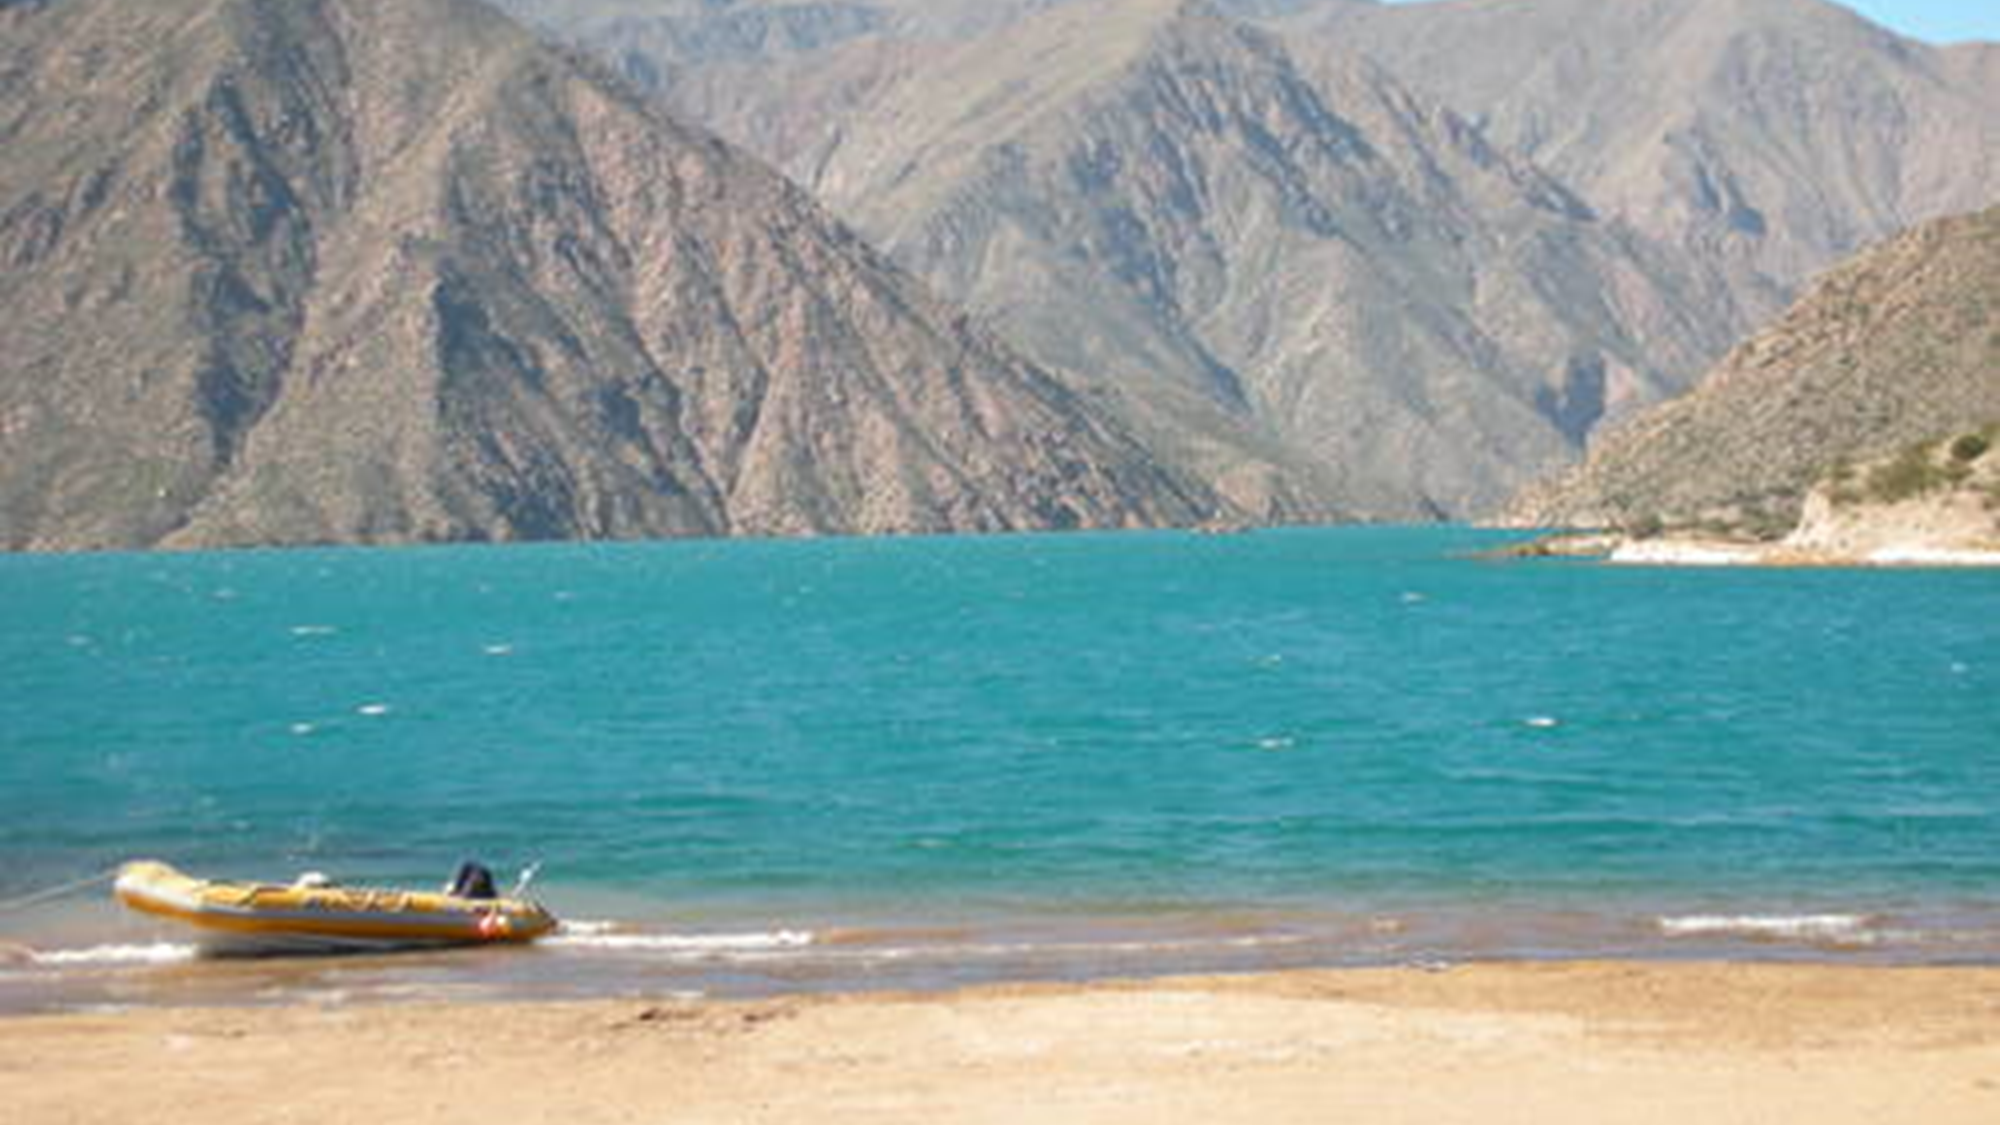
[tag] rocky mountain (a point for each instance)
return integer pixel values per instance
(1898, 346)
(652, 41)
(1772, 137)
(770, 75)
(1158, 197)
(1731, 148)
(393, 270)
(1769, 137)
(659, 41)
(666, 34)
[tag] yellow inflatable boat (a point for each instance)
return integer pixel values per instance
(313, 916)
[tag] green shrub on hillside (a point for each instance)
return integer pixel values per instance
(1646, 527)
(1768, 525)
(1912, 473)
(1916, 470)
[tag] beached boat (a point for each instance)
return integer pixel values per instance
(313, 916)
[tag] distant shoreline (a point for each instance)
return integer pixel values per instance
(1696, 552)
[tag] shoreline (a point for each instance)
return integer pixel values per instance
(1614, 549)
(1699, 552)
(134, 964)
(1548, 1042)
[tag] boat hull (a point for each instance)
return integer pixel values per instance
(263, 919)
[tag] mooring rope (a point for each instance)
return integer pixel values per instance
(52, 893)
(528, 874)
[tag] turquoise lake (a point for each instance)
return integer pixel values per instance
(753, 766)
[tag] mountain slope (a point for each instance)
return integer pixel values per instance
(1773, 136)
(1733, 147)
(774, 76)
(360, 270)
(1160, 196)
(1897, 346)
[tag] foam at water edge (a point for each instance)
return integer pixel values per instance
(158, 953)
(1844, 928)
(1028, 950)
(602, 935)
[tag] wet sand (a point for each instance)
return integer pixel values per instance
(1711, 1044)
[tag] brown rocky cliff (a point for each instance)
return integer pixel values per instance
(1897, 346)
(1772, 138)
(1163, 197)
(1728, 148)
(373, 271)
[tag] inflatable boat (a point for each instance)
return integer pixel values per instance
(315, 916)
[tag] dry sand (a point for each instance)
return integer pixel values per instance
(1545, 1044)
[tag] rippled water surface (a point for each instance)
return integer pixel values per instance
(770, 765)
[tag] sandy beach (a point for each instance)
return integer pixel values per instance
(1543, 1043)
(1704, 552)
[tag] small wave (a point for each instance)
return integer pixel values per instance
(1848, 929)
(314, 630)
(158, 953)
(1031, 950)
(372, 710)
(1542, 722)
(604, 936)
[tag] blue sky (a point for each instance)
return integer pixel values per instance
(1940, 21)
